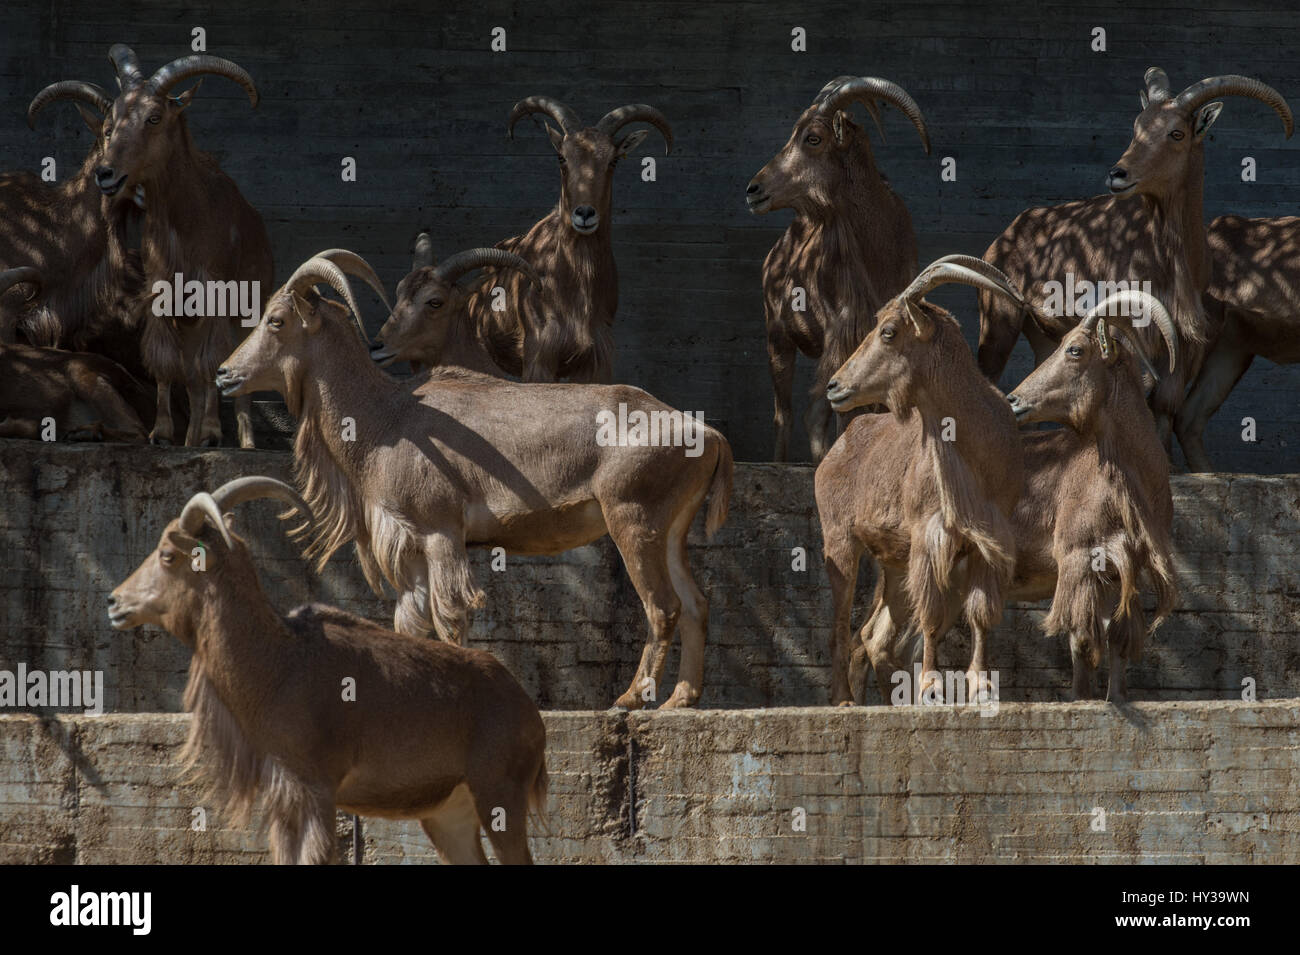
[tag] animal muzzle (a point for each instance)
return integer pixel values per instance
(838, 394)
(586, 220)
(382, 354)
(228, 382)
(757, 198)
(1118, 181)
(119, 615)
(108, 180)
(1019, 406)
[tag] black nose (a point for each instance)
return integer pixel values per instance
(832, 385)
(112, 601)
(1014, 400)
(1119, 172)
(584, 212)
(104, 174)
(221, 372)
(753, 188)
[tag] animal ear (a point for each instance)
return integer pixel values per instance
(182, 100)
(306, 311)
(1105, 342)
(1205, 119)
(921, 322)
(94, 123)
(557, 137)
(838, 125)
(631, 141)
(1145, 100)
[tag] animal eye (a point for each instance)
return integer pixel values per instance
(1074, 351)
(435, 303)
(155, 119)
(166, 557)
(275, 321)
(561, 158)
(1176, 134)
(813, 140)
(887, 333)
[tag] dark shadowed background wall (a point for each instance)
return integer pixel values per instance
(1018, 97)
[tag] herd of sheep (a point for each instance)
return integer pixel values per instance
(923, 462)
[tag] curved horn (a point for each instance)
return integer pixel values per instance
(947, 273)
(1156, 81)
(832, 85)
(1200, 93)
(553, 108)
(471, 259)
(201, 64)
(126, 65)
(353, 264)
(616, 119)
(423, 255)
(871, 106)
(87, 93)
(198, 507)
(318, 269)
(863, 88)
(1144, 301)
(991, 272)
(23, 274)
(236, 492)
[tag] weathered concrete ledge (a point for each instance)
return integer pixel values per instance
(1210, 782)
(75, 520)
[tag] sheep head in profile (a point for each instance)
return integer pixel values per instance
(198, 558)
(1078, 380)
(277, 353)
(818, 160)
(913, 341)
(588, 155)
(431, 299)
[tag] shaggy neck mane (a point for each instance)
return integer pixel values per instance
(177, 208)
(1178, 235)
(221, 750)
(954, 387)
(842, 237)
(1128, 447)
(328, 469)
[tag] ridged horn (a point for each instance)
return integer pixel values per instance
(1200, 93)
(1143, 301)
(469, 260)
(616, 119)
(565, 117)
(1156, 81)
(422, 257)
(201, 64)
(87, 93)
(198, 507)
(126, 65)
(870, 88)
(319, 269)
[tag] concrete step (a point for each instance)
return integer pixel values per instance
(77, 519)
(1202, 782)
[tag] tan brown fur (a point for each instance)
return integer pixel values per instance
(432, 725)
(472, 461)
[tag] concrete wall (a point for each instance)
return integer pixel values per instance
(76, 520)
(1160, 782)
(1013, 92)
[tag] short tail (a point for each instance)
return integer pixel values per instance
(724, 471)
